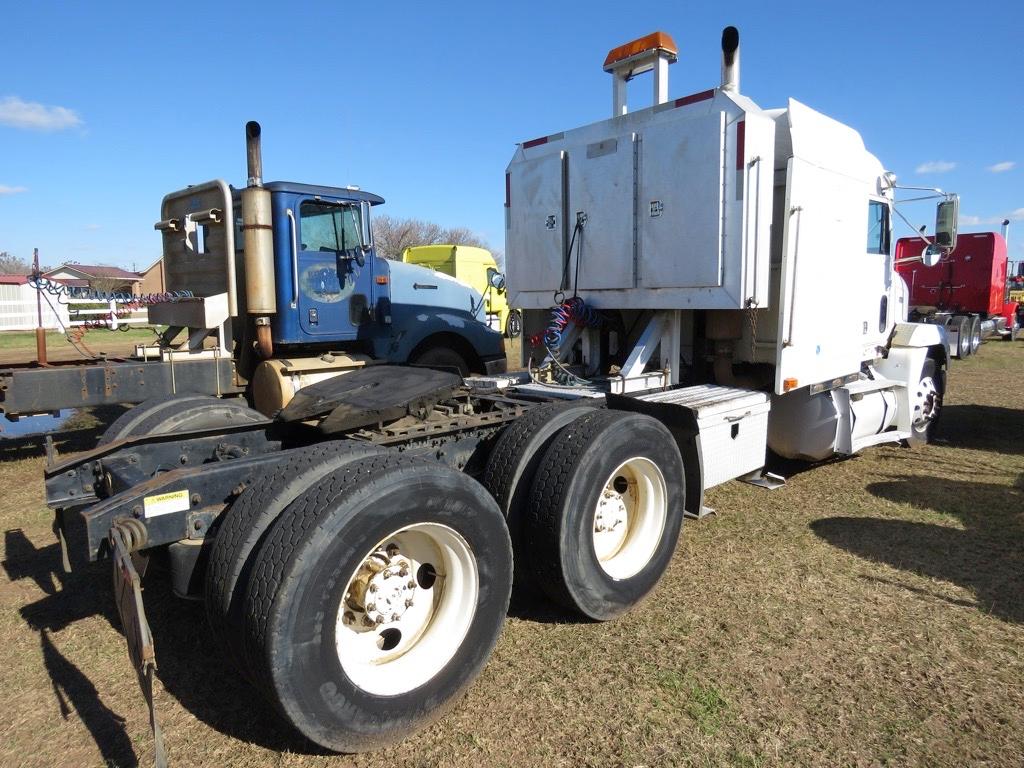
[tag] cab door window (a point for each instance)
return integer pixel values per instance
(329, 228)
(878, 227)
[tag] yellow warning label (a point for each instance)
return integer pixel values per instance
(165, 503)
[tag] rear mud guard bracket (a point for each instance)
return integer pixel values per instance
(128, 595)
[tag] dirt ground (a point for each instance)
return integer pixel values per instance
(869, 613)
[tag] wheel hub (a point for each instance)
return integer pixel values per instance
(926, 404)
(629, 517)
(407, 608)
(382, 590)
(610, 519)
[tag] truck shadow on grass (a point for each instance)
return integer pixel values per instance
(34, 446)
(986, 556)
(65, 602)
(80, 433)
(191, 667)
(983, 427)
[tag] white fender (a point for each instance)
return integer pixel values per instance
(919, 335)
(908, 351)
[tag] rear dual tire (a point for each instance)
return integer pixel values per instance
(606, 510)
(375, 599)
(962, 326)
(975, 324)
(514, 462)
(242, 529)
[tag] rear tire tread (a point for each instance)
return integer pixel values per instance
(246, 522)
(288, 531)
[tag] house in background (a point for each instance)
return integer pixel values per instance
(153, 277)
(96, 277)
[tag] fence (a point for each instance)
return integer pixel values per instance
(19, 313)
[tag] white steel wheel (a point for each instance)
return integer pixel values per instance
(406, 609)
(629, 518)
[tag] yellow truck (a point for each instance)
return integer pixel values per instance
(474, 267)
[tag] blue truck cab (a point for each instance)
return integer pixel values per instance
(333, 293)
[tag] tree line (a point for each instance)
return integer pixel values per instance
(391, 236)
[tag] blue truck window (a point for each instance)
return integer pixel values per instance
(330, 228)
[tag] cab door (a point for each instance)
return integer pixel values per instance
(834, 309)
(334, 291)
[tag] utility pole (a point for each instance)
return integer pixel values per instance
(40, 331)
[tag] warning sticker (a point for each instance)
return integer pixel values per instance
(165, 503)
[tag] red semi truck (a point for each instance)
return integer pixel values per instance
(966, 291)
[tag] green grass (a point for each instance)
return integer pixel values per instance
(20, 346)
(870, 612)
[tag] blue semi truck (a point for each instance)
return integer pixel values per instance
(270, 288)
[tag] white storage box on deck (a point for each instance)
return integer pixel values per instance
(732, 425)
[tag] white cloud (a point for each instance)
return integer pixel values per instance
(1006, 165)
(935, 166)
(6, 190)
(34, 116)
(92, 227)
(969, 220)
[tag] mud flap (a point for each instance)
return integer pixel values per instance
(128, 595)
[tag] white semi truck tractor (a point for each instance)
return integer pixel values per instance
(678, 268)
(710, 242)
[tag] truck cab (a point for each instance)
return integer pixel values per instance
(286, 275)
(332, 292)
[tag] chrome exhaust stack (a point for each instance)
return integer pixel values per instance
(731, 59)
(258, 232)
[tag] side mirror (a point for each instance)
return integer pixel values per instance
(931, 255)
(365, 230)
(495, 279)
(946, 215)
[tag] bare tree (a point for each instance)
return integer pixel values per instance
(391, 236)
(110, 285)
(12, 265)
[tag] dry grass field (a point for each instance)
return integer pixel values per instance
(20, 346)
(870, 613)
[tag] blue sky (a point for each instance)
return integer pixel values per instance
(105, 107)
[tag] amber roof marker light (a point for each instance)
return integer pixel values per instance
(653, 52)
